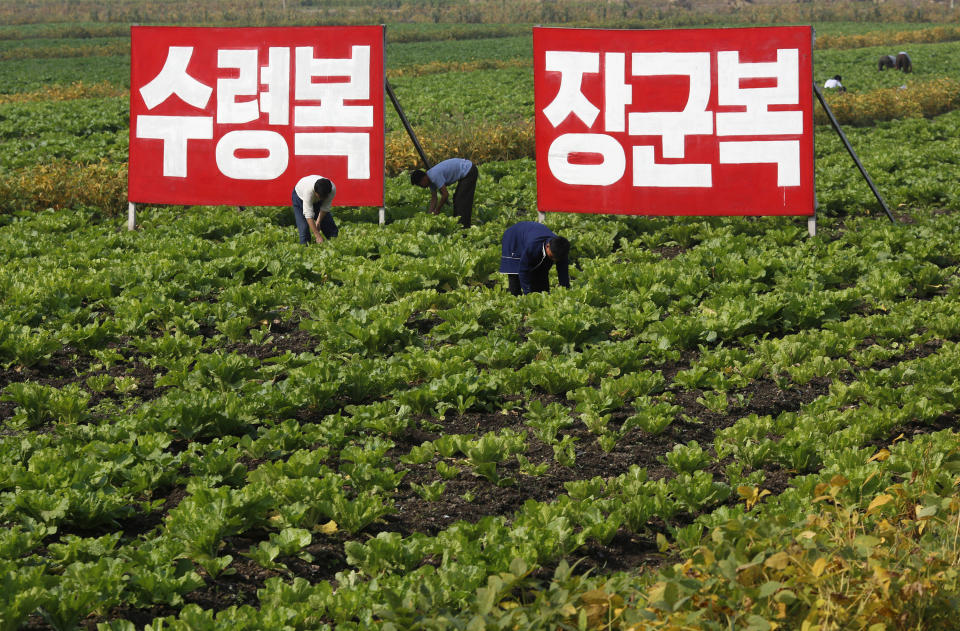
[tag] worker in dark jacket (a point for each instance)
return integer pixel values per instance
(529, 250)
(903, 62)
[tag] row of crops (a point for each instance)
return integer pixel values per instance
(42, 144)
(469, 97)
(27, 66)
(723, 423)
(254, 413)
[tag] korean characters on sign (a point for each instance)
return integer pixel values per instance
(674, 122)
(239, 115)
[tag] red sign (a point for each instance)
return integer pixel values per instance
(674, 122)
(238, 115)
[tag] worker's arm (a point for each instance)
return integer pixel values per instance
(563, 273)
(312, 223)
(434, 206)
(524, 277)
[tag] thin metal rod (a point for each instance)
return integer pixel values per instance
(406, 123)
(853, 154)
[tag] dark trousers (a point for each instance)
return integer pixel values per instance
(463, 196)
(539, 281)
(327, 226)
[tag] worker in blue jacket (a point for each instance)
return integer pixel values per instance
(529, 250)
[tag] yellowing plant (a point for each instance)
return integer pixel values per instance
(862, 40)
(65, 185)
(845, 567)
(481, 144)
(76, 90)
(916, 99)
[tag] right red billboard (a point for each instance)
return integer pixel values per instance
(674, 122)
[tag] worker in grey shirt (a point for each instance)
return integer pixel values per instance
(312, 197)
(455, 170)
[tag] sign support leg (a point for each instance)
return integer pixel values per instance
(406, 123)
(383, 215)
(131, 216)
(853, 154)
(541, 216)
(812, 219)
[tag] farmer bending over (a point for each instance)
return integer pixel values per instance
(529, 251)
(455, 170)
(834, 82)
(312, 197)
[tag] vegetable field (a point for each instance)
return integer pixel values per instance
(723, 423)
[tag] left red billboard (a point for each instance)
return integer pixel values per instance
(237, 116)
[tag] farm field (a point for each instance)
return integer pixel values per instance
(723, 423)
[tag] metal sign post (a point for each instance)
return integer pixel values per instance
(410, 133)
(406, 124)
(853, 154)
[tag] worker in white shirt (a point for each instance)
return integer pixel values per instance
(312, 197)
(834, 82)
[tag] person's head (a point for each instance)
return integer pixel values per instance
(837, 77)
(322, 187)
(419, 178)
(558, 249)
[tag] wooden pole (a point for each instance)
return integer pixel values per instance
(853, 154)
(406, 124)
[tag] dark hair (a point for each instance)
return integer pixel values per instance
(322, 187)
(415, 176)
(559, 248)
(837, 77)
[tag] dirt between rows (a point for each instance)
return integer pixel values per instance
(627, 551)
(467, 497)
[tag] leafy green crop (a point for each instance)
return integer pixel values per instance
(375, 432)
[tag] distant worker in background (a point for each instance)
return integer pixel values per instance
(886, 61)
(903, 62)
(528, 252)
(460, 171)
(312, 197)
(834, 82)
